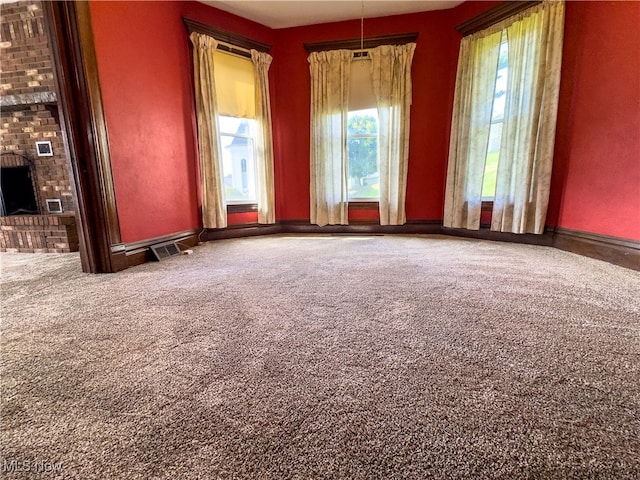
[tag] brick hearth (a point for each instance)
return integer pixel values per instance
(39, 234)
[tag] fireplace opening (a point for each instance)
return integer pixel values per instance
(16, 191)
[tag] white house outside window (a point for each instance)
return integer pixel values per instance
(238, 141)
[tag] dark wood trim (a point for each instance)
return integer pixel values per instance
(364, 227)
(240, 231)
(84, 130)
(138, 253)
(302, 226)
(355, 43)
(134, 247)
(225, 35)
(242, 207)
(545, 239)
(619, 251)
(494, 15)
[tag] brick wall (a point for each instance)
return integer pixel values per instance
(29, 114)
(26, 60)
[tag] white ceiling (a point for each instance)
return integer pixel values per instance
(290, 13)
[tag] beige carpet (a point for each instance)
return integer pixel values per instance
(323, 357)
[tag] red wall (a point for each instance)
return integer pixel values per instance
(144, 64)
(147, 102)
(596, 179)
(146, 77)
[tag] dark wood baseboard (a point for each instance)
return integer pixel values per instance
(302, 227)
(619, 251)
(239, 231)
(615, 250)
(119, 261)
(138, 253)
(363, 227)
(545, 239)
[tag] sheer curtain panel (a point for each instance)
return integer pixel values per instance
(391, 71)
(214, 212)
(264, 142)
(329, 160)
(528, 136)
(472, 107)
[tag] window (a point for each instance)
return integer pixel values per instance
(362, 147)
(234, 125)
(504, 117)
(362, 134)
(235, 92)
(237, 139)
(359, 144)
(497, 120)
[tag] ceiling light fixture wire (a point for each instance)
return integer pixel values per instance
(362, 26)
(362, 53)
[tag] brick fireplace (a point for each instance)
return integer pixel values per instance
(37, 209)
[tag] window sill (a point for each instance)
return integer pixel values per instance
(364, 205)
(242, 207)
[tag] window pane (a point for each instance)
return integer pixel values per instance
(362, 137)
(491, 164)
(501, 84)
(363, 122)
(497, 117)
(238, 159)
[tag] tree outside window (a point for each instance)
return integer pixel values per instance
(362, 138)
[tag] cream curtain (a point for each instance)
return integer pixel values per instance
(472, 108)
(329, 160)
(391, 71)
(264, 143)
(214, 212)
(528, 134)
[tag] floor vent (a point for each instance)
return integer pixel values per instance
(165, 250)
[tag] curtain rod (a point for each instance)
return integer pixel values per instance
(355, 43)
(232, 47)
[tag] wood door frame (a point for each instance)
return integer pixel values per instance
(84, 130)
